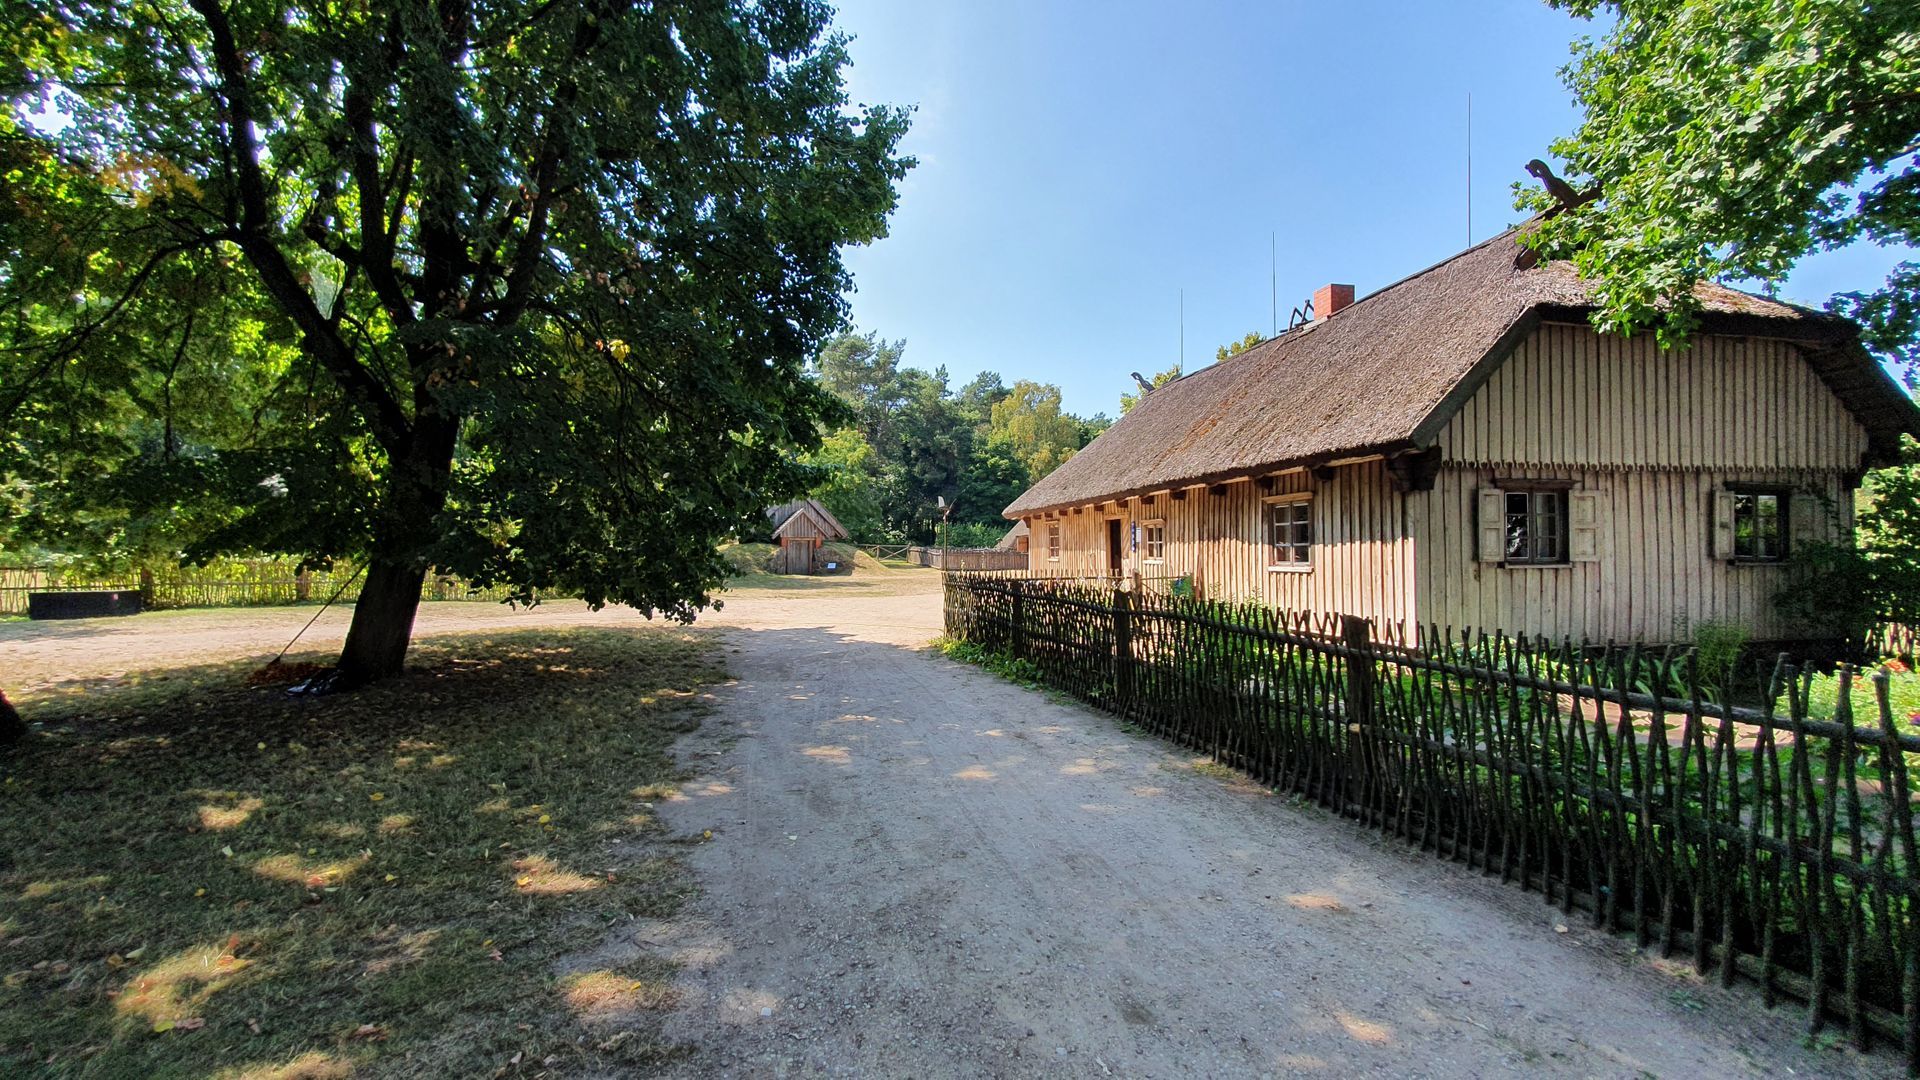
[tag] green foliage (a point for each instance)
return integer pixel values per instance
(1030, 426)
(1731, 139)
(1007, 667)
(1903, 697)
(1235, 348)
(851, 468)
(1717, 649)
(1845, 590)
(1888, 523)
(1831, 589)
(523, 291)
(973, 534)
(977, 448)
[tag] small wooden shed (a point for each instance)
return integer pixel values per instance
(802, 528)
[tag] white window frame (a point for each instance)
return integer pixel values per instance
(1291, 566)
(1148, 527)
(1053, 541)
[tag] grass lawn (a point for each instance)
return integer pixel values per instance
(198, 878)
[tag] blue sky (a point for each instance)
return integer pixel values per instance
(1083, 164)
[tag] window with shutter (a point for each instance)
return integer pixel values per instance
(1535, 526)
(1757, 523)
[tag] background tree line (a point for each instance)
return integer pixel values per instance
(913, 440)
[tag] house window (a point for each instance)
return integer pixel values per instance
(1760, 525)
(1289, 533)
(1154, 537)
(1536, 527)
(1053, 542)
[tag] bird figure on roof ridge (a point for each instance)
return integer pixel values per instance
(1565, 198)
(1561, 191)
(1145, 386)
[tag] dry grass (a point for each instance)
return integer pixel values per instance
(199, 877)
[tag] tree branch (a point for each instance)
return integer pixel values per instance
(383, 414)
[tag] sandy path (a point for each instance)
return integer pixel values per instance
(918, 869)
(37, 656)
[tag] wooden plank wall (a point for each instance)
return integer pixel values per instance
(1656, 575)
(1654, 434)
(1572, 398)
(1363, 554)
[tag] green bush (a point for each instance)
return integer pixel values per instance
(1717, 647)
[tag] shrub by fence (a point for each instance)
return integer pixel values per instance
(1776, 843)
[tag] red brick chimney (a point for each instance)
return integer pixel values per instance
(1328, 299)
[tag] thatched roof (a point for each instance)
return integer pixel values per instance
(1011, 541)
(810, 511)
(1385, 374)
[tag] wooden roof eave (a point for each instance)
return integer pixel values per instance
(1250, 472)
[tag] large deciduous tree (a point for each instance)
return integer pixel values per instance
(1731, 138)
(544, 274)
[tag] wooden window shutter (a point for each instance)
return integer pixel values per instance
(1492, 522)
(1583, 535)
(1806, 519)
(1722, 523)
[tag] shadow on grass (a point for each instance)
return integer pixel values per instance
(202, 878)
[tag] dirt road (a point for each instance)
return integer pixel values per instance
(918, 869)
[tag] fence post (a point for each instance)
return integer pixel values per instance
(1018, 596)
(1122, 651)
(1359, 711)
(146, 587)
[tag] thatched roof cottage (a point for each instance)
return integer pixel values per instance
(1461, 448)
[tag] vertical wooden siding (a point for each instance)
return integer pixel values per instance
(1362, 548)
(1655, 577)
(1654, 434)
(1572, 398)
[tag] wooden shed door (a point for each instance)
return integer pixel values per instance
(794, 556)
(1116, 546)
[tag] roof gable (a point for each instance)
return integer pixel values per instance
(806, 517)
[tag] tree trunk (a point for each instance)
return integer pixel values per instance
(382, 626)
(12, 728)
(382, 623)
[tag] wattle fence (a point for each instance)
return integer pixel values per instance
(235, 583)
(1775, 843)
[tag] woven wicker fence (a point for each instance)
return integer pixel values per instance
(1765, 843)
(237, 583)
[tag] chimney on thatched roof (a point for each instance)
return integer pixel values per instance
(1328, 299)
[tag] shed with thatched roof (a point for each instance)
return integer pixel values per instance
(1461, 448)
(802, 529)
